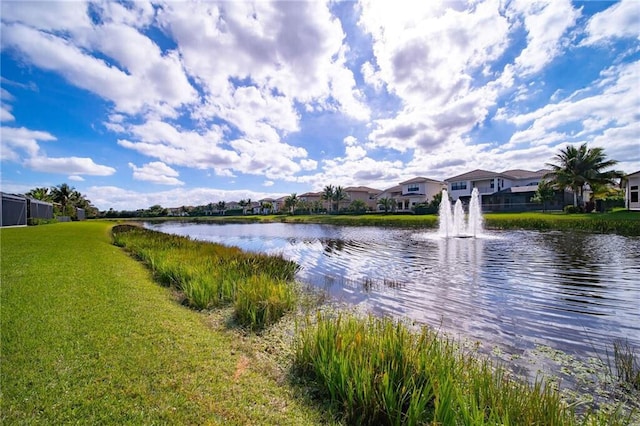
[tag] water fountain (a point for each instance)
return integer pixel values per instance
(452, 221)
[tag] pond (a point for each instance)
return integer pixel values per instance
(574, 292)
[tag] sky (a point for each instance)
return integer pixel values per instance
(187, 103)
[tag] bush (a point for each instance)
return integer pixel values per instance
(572, 209)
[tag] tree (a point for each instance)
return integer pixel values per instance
(222, 206)
(266, 207)
(155, 211)
(42, 194)
(576, 167)
(327, 195)
(62, 194)
(358, 206)
(290, 202)
(243, 203)
(386, 203)
(544, 193)
(434, 204)
(339, 195)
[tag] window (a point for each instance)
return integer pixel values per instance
(634, 196)
(456, 186)
(413, 188)
(492, 184)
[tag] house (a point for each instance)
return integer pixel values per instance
(412, 192)
(17, 210)
(268, 206)
(510, 190)
(632, 191)
(364, 194)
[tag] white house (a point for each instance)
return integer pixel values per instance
(510, 190)
(632, 191)
(412, 192)
(491, 182)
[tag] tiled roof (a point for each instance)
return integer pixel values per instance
(473, 175)
(420, 179)
(525, 174)
(511, 174)
(362, 189)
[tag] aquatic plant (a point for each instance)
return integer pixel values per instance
(210, 275)
(380, 371)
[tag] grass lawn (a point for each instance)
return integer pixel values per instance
(88, 337)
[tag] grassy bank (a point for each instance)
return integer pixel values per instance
(88, 337)
(619, 222)
(212, 275)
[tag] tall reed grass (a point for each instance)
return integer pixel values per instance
(378, 371)
(211, 275)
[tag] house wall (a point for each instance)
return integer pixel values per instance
(633, 192)
(13, 210)
(362, 196)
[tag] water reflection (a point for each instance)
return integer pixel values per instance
(574, 292)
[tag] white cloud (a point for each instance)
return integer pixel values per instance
(106, 197)
(156, 172)
(428, 55)
(16, 140)
(146, 80)
(546, 23)
(617, 21)
(268, 183)
(267, 43)
(66, 165)
(5, 95)
(76, 178)
(5, 113)
(611, 100)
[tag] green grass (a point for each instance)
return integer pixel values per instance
(378, 371)
(88, 337)
(620, 222)
(212, 275)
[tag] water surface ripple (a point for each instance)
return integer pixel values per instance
(575, 292)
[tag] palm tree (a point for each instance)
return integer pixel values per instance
(327, 195)
(62, 194)
(576, 167)
(386, 203)
(243, 203)
(266, 206)
(222, 206)
(291, 201)
(339, 195)
(42, 194)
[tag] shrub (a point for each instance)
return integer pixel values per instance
(572, 209)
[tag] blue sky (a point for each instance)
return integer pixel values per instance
(179, 103)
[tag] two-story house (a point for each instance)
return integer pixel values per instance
(511, 190)
(413, 192)
(364, 194)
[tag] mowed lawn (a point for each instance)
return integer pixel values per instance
(88, 337)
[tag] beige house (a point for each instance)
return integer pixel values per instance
(408, 194)
(364, 194)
